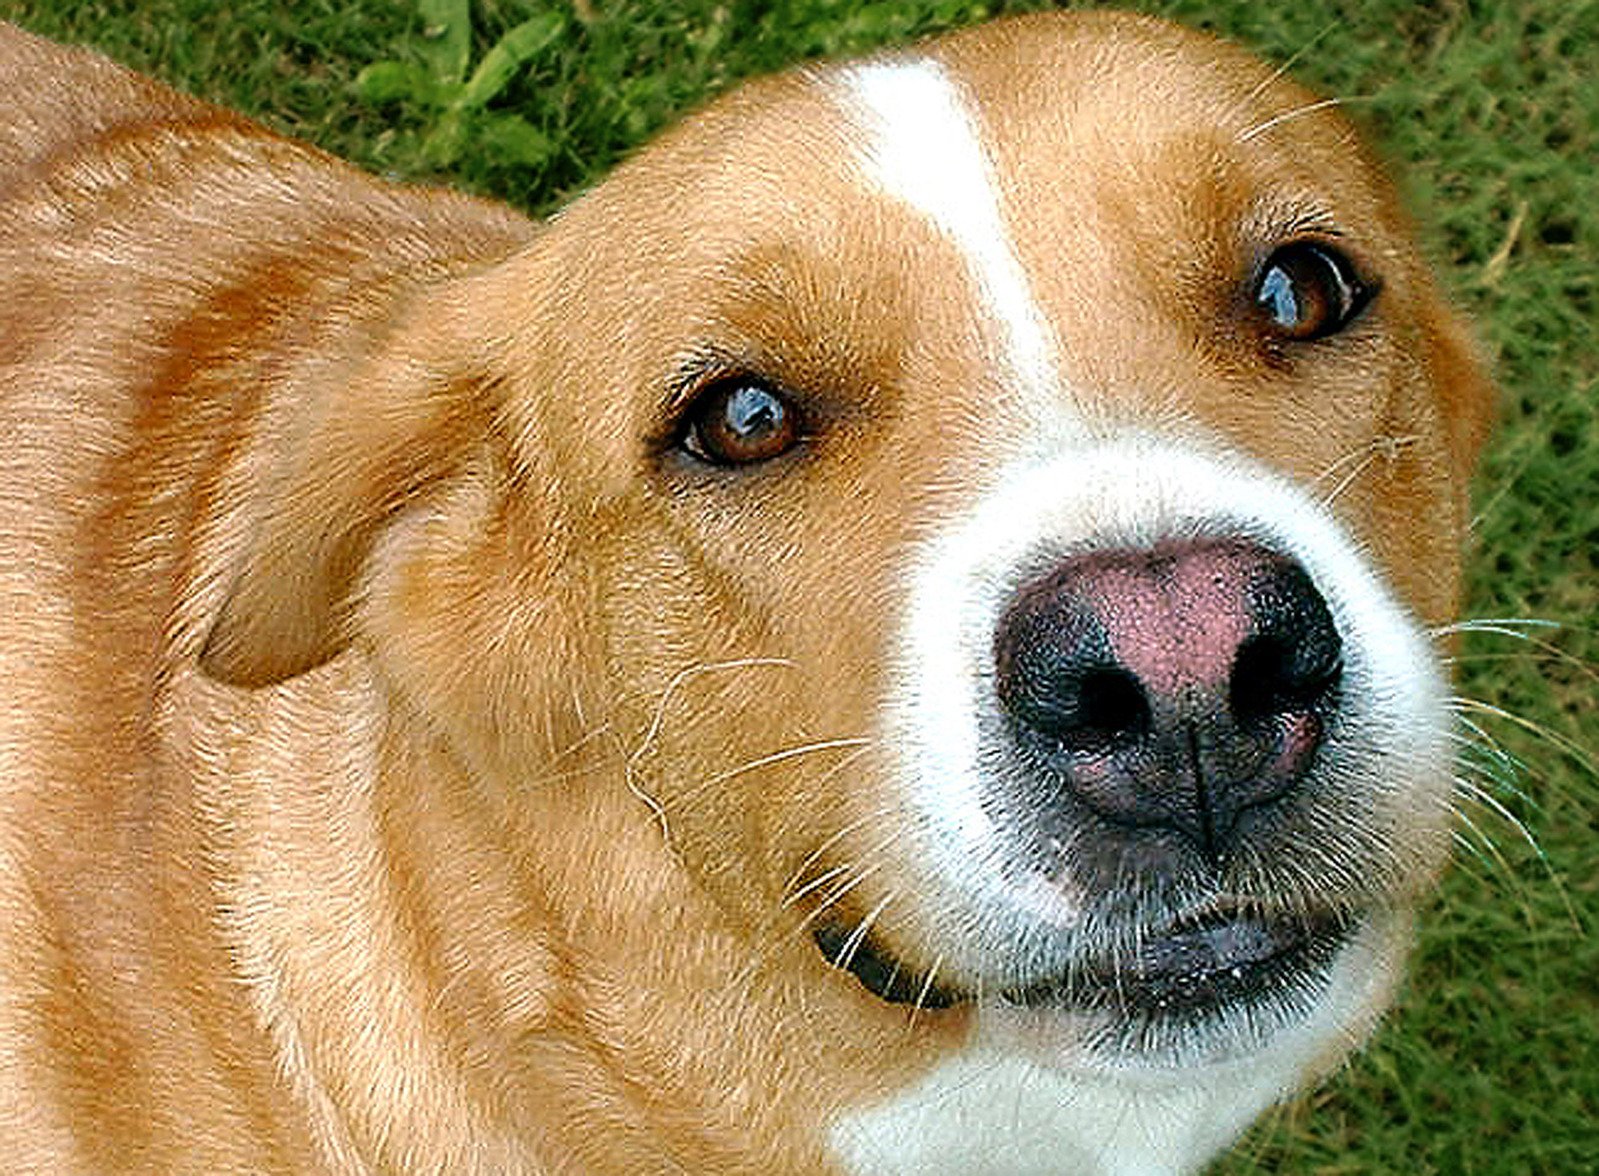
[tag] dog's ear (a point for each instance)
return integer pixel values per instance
(342, 454)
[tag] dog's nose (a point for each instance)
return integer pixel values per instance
(1179, 687)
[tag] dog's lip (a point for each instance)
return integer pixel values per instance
(1192, 966)
(1195, 966)
(878, 971)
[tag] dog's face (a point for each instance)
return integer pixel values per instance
(995, 499)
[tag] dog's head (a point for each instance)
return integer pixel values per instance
(997, 496)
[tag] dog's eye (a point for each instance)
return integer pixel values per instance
(1308, 290)
(740, 420)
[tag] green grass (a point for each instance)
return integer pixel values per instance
(1492, 111)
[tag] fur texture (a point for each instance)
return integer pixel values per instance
(419, 754)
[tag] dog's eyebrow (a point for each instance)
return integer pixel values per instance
(689, 372)
(1282, 218)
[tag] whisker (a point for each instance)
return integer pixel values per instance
(1554, 738)
(838, 835)
(589, 736)
(1514, 628)
(658, 717)
(851, 879)
(1288, 116)
(1282, 70)
(842, 879)
(1484, 758)
(1363, 459)
(813, 885)
(777, 757)
(1366, 462)
(685, 675)
(841, 892)
(863, 927)
(1360, 454)
(929, 981)
(1477, 846)
(791, 896)
(1502, 767)
(657, 809)
(1473, 791)
(1503, 626)
(1481, 796)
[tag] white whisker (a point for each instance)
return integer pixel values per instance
(1363, 459)
(842, 879)
(929, 982)
(658, 717)
(1555, 739)
(1282, 70)
(778, 757)
(1287, 116)
(685, 675)
(1503, 626)
(1476, 793)
(1486, 799)
(657, 809)
(1487, 771)
(814, 885)
(838, 835)
(841, 892)
(1502, 767)
(852, 945)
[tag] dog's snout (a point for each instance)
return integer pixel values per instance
(1176, 688)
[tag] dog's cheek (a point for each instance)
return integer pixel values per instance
(696, 693)
(1420, 474)
(475, 615)
(1466, 396)
(739, 732)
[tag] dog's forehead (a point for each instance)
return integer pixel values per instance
(1104, 179)
(918, 143)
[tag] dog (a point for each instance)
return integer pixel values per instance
(889, 636)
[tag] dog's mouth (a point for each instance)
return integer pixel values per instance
(1195, 968)
(879, 972)
(1200, 967)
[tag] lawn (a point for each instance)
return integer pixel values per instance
(1491, 111)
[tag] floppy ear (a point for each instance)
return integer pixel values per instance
(350, 448)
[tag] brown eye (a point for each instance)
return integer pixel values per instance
(740, 420)
(1309, 291)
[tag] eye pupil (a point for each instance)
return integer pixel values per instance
(739, 421)
(1308, 291)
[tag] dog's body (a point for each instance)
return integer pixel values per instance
(970, 518)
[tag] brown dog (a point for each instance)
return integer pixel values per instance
(890, 637)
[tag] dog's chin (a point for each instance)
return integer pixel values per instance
(1203, 988)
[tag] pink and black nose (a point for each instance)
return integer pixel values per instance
(1177, 688)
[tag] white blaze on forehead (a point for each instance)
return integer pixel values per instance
(917, 143)
(920, 145)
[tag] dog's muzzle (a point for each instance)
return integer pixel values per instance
(1168, 752)
(1157, 705)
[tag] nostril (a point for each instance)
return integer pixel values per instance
(1078, 708)
(1112, 710)
(1275, 676)
(1294, 662)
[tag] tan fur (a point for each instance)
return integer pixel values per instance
(384, 777)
